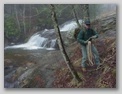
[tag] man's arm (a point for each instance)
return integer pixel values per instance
(95, 35)
(80, 38)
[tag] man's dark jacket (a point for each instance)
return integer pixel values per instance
(85, 35)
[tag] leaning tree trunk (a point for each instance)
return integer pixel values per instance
(62, 49)
(86, 12)
(75, 16)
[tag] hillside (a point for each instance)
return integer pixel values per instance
(46, 68)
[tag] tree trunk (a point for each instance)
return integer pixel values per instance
(30, 19)
(75, 16)
(62, 49)
(86, 12)
(15, 8)
(24, 27)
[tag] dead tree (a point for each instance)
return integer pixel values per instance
(18, 22)
(61, 46)
(24, 25)
(86, 12)
(75, 16)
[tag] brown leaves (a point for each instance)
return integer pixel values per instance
(62, 78)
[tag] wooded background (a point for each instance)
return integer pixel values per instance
(23, 20)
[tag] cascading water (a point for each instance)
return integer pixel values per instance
(35, 42)
(45, 39)
(52, 45)
(69, 25)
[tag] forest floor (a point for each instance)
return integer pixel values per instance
(101, 77)
(47, 69)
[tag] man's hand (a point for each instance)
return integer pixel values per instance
(94, 37)
(85, 42)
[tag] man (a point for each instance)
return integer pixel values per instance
(83, 38)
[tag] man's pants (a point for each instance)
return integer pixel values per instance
(84, 55)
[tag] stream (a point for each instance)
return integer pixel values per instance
(21, 66)
(32, 64)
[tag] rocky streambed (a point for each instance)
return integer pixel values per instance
(30, 68)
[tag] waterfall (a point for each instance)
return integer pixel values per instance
(52, 45)
(69, 25)
(35, 42)
(45, 39)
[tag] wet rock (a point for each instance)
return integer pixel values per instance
(18, 55)
(105, 24)
(8, 67)
(29, 64)
(24, 78)
(7, 61)
(20, 70)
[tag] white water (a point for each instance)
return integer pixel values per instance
(52, 45)
(35, 42)
(39, 42)
(70, 25)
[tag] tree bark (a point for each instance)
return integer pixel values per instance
(86, 12)
(62, 49)
(15, 8)
(30, 19)
(24, 27)
(75, 16)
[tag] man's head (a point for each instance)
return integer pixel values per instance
(87, 24)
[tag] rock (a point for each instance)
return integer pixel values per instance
(20, 70)
(105, 24)
(26, 74)
(29, 64)
(7, 61)
(12, 44)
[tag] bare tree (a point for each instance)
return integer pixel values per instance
(75, 16)
(61, 46)
(24, 27)
(30, 18)
(16, 13)
(86, 12)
